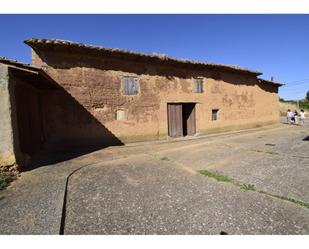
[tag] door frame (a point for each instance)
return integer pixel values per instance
(174, 109)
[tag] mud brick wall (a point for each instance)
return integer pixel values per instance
(94, 85)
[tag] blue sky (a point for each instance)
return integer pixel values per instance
(277, 45)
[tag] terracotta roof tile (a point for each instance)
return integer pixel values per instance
(16, 63)
(37, 43)
(271, 82)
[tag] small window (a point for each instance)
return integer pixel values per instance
(120, 115)
(129, 85)
(214, 114)
(198, 85)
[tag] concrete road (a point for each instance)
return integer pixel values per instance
(155, 188)
(143, 194)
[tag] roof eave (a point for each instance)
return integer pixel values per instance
(45, 43)
(271, 82)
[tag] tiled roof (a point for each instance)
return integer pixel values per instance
(39, 43)
(41, 79)
(271, 82)
(15, 63)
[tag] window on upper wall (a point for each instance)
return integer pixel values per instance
(198, 85)
(130, 85)
(214, 114)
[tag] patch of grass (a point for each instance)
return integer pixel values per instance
(164, 158)
(268, 152)
(224, 178)
(301, 203)
(272, 152)
(5, 181)
(285, 198)
(249, 187)
(245, 186)
(215, 175)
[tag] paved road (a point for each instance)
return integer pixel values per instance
(145, 195)
(130, 190)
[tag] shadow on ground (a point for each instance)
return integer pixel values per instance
(306, 138)
(56, 127)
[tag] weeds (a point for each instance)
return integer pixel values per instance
(164, 158)
(5, 181)
(215, 175)
(285, 198)
(272, 152)
(249, 187)
(224, 178)
(268, 152)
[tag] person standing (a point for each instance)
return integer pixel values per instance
(288, 116)
(302, 117)
(296, 117)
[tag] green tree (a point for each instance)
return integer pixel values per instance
(307, 96)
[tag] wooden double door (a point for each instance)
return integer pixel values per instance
(29, 118)
(181, 119)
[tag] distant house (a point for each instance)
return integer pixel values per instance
(77, 96)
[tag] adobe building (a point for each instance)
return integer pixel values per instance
(77, 96)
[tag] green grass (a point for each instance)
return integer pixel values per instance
(285, 198)
(215, 175)
(164, 158)
(5, 181)
(249, 187)
(267, 151)
(272, 152)
(301, 203)
(245, 186)
(223, 178)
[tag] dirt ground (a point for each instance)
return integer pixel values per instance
(157, 188)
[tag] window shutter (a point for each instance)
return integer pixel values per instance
(198, 85)
(124, 85)
(135, 85)
(130, 86)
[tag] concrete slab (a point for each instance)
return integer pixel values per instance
(148, 196)
(129, 190)
(33, 203)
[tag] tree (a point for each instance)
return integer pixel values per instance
(307, 96)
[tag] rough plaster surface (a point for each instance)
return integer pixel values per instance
(95, 84)
(7, 156)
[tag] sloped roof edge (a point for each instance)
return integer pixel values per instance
(16, 63)
(271, 82)
(37, 43)
(27, 68)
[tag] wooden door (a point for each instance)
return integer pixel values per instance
(29, 119)
(174, 112)
(191, 123)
